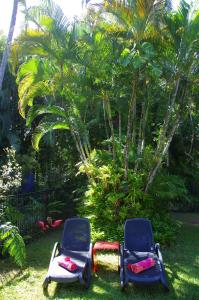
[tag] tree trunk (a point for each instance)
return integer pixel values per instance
(129, 128)
(8, 43)
(110, 121)
(167, 118)
(153, 173)
(105, 123)
(120, 127)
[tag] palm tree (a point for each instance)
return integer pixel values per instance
(51, 74)
(182, 38)
(8, 43)
(137, 19)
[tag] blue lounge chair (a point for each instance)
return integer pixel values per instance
(139, 245)
(75, 244)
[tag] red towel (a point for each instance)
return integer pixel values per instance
(42, 226)
(56, 223)
(141, 265)
(68, 264)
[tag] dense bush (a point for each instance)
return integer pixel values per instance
(110, 199)
(10, 239)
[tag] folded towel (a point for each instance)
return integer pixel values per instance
(141, 265)
(68, 264)
(56, 223)
(42, 225)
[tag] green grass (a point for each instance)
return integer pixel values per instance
(182, 265)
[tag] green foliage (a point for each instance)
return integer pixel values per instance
(10, 239)
(43, 128)
(169, 188)
(12, 242)
(10, 175)
(110, 199)
(122, 79)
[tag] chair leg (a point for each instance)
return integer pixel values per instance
(45, 283)
(123, 284)
(87, 276)
(164, 282)
(165, 286)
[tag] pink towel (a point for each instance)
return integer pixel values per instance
(68, 264)
(141, 265)
(56, 223)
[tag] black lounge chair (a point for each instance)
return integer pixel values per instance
(139, 245)
(76, 244)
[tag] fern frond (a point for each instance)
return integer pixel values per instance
(13, 243)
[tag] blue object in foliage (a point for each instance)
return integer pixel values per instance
(28, 183)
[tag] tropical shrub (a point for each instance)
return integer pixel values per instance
(12, 242)
(110, 199)
(10, 239)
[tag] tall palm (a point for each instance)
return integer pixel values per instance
(182, 38)
(46, 79)
(137, 20)
(8, 43)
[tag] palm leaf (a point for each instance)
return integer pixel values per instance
(38, 110)
(43, 128)
(12, 243)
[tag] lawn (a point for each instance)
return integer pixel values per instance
(181, 259)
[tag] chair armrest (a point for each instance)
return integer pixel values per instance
(91, 250)
(121, 255)
(121, 247)
(56, 248)
(158, 252)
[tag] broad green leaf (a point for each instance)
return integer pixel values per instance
(38, 110)
(98, 37)
(138, 61)
(148, 50)
(126, 57)
(30, 67)
(43, 128)
(46, 21)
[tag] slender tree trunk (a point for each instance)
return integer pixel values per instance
(77, 145)
(140, 135)
(153, 173)
(129, 128)
(167, 117)
(105, 122)
(120, 127)
(144, 127)
(8, 43)
(110, 121)
(192, 138)
(163, 150)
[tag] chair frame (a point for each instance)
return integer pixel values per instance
(125, 278)
(84, 277)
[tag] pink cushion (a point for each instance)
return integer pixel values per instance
(68, 264)
(141, 265)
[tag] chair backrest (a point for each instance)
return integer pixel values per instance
(76, 235)
(138, 235)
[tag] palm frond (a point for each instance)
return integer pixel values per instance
(43, 128)
(12, 243)
(38, 110)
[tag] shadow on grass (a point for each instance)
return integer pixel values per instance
(38, 257)
(182, 265)
(106, 285)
